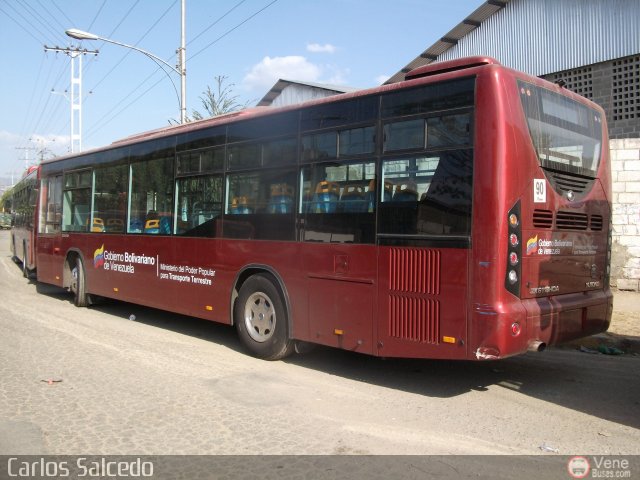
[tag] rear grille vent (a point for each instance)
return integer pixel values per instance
(596, 222)
(567, 220)
(571, 221)
(414, 319)
(413, 274)
(564, 182)
(542, 218)
(414, 270)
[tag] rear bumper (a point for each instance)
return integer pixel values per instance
(532, 324)
(562, 318)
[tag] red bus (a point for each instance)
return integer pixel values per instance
(464, 213)
(24, 205)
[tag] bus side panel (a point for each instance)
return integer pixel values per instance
(170, 273)
(341, 294)
(127, 268)
(239, 258)
(50, 259)
(422, 302)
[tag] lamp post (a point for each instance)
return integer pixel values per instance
(180, 69)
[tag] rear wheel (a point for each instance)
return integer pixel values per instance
(25, 269)
(261, 319)
(78, 284)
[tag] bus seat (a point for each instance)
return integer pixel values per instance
(325, 200)
(371, 194)
(353, 199)
(98, 225)
(240, 206)
(135, 226)
(406, 192)
(115, 225)
(281, 199)
(152, 226)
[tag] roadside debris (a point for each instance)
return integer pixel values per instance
(584, 349)
(548, 448)
(609, 350)
(51, 381)
(604, 349)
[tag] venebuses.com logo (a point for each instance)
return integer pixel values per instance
(599, 467)
(578, 467)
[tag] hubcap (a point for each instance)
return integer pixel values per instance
(259, 317)
(74, 279)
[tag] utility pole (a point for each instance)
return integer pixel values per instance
(76, 91)
(26, 155)
(182, 64)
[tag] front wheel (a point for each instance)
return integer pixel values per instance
(79, 285)
(261, 319)
(26, 273)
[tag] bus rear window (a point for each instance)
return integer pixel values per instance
(567, 135)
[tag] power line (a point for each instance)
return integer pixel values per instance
(33, 90)
(215, 23)
(62, 12)
(124, 17)
(55, 33)
(43, 90)
(231, 30)
(96, 15)
(50, 15)
(27, 30)
(98, 124)
(104, 77)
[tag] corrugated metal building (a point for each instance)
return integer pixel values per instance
(291, 92)
(593, 46)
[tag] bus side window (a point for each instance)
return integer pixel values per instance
(260, 204)
(199, 205)
(151, 191)
(110, 199)
(76, 207)
(51, 205)
(338, 201)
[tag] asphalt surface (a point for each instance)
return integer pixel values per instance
(92, 381)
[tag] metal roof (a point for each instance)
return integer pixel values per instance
(458, 32)
(281, 84)
(540, 36)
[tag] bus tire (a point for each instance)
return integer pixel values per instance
(25, 269)
(79, 284)
(261, 319)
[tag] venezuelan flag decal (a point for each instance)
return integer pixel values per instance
(98, 257)
(532, 244)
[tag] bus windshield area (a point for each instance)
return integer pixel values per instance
(567, 135)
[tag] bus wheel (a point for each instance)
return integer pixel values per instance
(261, 319)
(25, 268)
(78, 285)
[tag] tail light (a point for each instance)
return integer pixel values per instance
(514, 237)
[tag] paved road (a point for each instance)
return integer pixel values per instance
(166, 384)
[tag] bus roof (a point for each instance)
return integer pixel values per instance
(413, 77)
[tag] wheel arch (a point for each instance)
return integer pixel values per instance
(69, 263)
(253, 269)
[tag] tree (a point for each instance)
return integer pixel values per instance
(217, 102)
(6, 200)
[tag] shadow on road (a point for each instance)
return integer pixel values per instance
(598, 385)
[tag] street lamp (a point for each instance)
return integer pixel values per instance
(180, 69)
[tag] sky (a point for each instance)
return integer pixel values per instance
(253, 43)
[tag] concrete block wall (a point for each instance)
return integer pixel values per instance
(625, 171)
